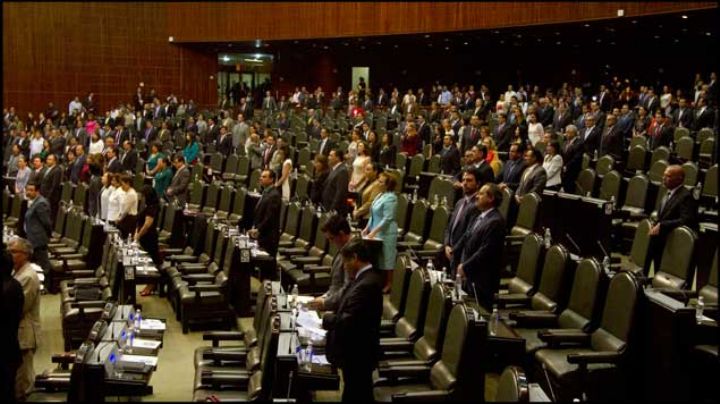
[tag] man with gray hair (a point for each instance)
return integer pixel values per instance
(25, 273)
(572, 152)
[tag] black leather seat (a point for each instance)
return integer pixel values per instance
(512, 386)
(410, 326)
(394, 304)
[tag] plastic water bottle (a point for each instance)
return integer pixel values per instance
(494, 319)
(435, 200)
(309, 356)
(294, 294)
(699, 307)
(130, 341)
(606, 265)
(415, 195)
(444, 201)
(595, 155)
(547, 238)
(138, 319)
(612, 201)
(458, 285)
(697, 190)
(131, 320)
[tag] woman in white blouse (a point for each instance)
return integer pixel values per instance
(36, 143)
(552, 164)
(127, 215)
(96, 144)
(535, 129)
(357, 179)
(109, 186)
(115, 198)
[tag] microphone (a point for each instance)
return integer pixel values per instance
(547, 378)
(602, 248)
(290, 380)
(474, 293)
(574, 244)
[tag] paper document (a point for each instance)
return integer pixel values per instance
(305, 299)
(152, 324)
(145, 343)
(313, 333)
(309, 319)
(320, 360)
(148, 360)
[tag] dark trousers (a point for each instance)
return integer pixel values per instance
(358, 384)
(40, 257)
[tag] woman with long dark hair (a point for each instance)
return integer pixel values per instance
(146, 233)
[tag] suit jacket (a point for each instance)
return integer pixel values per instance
(481, 249)
(450, 159)
(29, 330)
(212, 134)
(560, 122)
(121, 136)
(486, 173)
(225, 145)
(336, 189)
(129, 160)
(329, 145)
(511, 173)
(37, 222)
(612, 143)
(534, 182)
(115, 166)
(353, 338)
(76, 168)
(686, 120)
(455, 230)
(50, 185)
(424, 132)
(503, 136)
(57, 146)
(179, 185)
(572, 154)
(338, 281)
(680, 210)
(545, 115)
(12, 303)
(704, 119)
(267, 220)
(36, 176)
(470, 138)
(591, 141)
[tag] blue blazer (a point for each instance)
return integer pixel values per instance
(37, 222)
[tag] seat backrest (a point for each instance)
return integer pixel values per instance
(197, 192)
(231, 163)
(169, 221)
(60, 220)
(211, 199)
(401, 161)
(710, 185)
(709, 292)
(243, 165)
(401, 211)
(677, 258)
(657, 169)
(307, 222)
(660, 153)
(583, 296)
(636, 158)
(400, 282)
(504, 207)
(67, 191)
(684, 148)
(434, 164)
(552, 280)
(440, 219)
(585, 182)
(419, 214)
(605, 164)
(524, 279)
(238, 206)
(691, 173)
(411, 324)
(641, 244)
(438, 308)
(254, 183)
(527, 214)
(513, 386)
(636, 192)
(680, 133)
(293, 215)
(417, 163)
(443, 375)
(302, 186)
(707, 146)
(610, 186)
(618, 314)
(80, 195)
(226, 199)
(703, 134)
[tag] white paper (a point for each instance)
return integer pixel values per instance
(145, 343)
(148, 360)
(309, 319)
(320, 360)
(313, 333)
(152, 324)
(305, 299)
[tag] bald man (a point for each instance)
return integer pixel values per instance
(677, 208)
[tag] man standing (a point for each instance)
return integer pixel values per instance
(77, 166)
(38, 227)
(130, 157)
(481, 247)
(240, 132)
(677, 208)
(336, 186)
(180, 181)
(113, 164)
(29, 330)
(463, 214)
(50, 185)
(591, 136)
(326, 144)
(224, 145)
(266, 220)
(353, 337)
(534, 177)
(572, 153)
(337, 231)
(512, 170)
(11, 311)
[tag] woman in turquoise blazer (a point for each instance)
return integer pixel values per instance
(383, 226)
(163, 177)
(191, 150)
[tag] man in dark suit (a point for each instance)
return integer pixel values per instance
(268, 149)
(50, 185)
(129, 158)
(225, 145)
(38, 170)
(266, 221)
(353, 338)
(57, 143)
(213, 131)
(704, 115)
(11, 311)
(651, 102)
(677, 208)
(481, 247)
(591, 136)
(475, 158)
(113, 164)
(662, 133)
(449, 156)
(534, 176)
(512, 169)
(604, 99)
(423, 130)
(38, 227)
(326, 144)
(612, 141)
(683, 116)
(503, 133)
(149, 134)
(471, 137)
(80, 159)
(336, 186)
(180, 181)
(562, 118)
(337, 231)
(463, 213)
(121, 134)
(545, 112)
(572, 154)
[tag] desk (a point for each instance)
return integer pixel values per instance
(239, 278)
(707, 246)
(561, 212)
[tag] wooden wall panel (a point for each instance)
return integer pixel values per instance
(202, 22)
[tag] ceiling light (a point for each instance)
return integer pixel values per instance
(707, 33)
(598, 40)
(395, 46)
(258, 42)
(362, 47)
(447, 48)
(229, 45)
(586, 25)
(427, 35)
(496, 32)
(346, 44)
(447, 39)
(257, 56)
(296, 42)
(634, 21)
(558, 43)
(656, 36)
(226, 58)
(502, 42)
(465, 43)
(684, 17)
(557, 33)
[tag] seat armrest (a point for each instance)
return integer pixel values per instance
(677, 294)
(217, 336)
(514, 298)
(239, 381)
(63, 359)
(514, 238)
(193, 278)
(421, 396)
(394, 345)
(303, 260)
(226, 355)
(89, 304)
(171, 250)
(427, 253)
(82, 273)
(585, 358)
(316, 268)
(534, 319)
(559, 336)
(413, 372)
(85, 282)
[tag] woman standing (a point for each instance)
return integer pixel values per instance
(163, 176)
(153, 158)
(283, 182)
(369, 193)
(535, 130)
(373, 146)
(388, 151)
(357, 179)
(322, 170)
(191, 150)
(127, 215)
(145, 232)
(552, 163)
(36, 143)
(22, 177)
(107, 179)
(383, 226)
(353, 146)
(96, 144)
(492, 157)
(115, 198)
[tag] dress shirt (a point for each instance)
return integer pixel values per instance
(363, 269)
